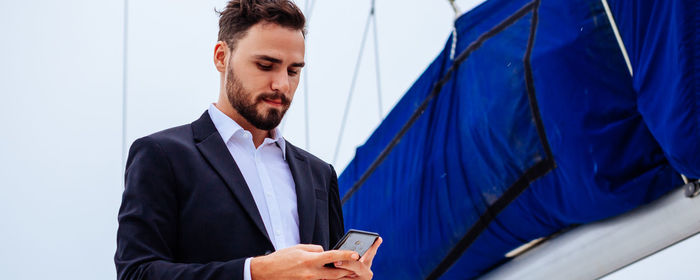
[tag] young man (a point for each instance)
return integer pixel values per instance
(226, 197)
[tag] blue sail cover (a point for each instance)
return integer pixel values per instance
(534, 126)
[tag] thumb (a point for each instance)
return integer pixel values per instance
(338, 255)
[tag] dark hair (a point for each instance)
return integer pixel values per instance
(240, 15)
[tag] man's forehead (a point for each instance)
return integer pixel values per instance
(272, 31)
(274, 43)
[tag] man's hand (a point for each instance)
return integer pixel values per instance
(362, 268)
(302, 262)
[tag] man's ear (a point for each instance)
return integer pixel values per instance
(220, 50)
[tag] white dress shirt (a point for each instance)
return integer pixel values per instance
(268, 177)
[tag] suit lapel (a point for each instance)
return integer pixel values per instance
(214, 150)
(306, 196)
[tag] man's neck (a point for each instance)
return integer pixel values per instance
(259, 135)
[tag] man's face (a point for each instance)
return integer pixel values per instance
(263, 73)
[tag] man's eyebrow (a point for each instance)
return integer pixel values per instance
(278, 61)
(268, 58)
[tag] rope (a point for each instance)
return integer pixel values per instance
(620, 43)
(454, 7)
(454, 29)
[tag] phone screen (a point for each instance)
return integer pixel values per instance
(357, 240)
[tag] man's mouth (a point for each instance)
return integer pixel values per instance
(273, 101)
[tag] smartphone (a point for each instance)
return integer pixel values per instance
(356, 240)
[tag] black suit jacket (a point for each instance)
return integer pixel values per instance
(187, 212)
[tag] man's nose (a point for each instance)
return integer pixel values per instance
(280, 82)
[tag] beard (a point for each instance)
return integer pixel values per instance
(246, 104)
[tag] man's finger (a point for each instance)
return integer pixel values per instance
(332, 273)
(371, 252)
(310, 248)
(354, 266)
(337, 255)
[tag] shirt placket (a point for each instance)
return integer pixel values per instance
(271, 199)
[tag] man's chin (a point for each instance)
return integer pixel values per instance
(267, 110)
(268, 122)
(267, 125)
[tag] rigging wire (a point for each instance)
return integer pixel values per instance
(373, 18)
(124, 76)
(306, 109)
(376, 63)
(352, 87)
(308, 9)
(437, 87)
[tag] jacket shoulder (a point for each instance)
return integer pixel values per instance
(313, 160)
(174, 136)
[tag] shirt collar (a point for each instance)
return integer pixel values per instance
(229, 128)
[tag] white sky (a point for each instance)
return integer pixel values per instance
(410, 34)
(62, 86)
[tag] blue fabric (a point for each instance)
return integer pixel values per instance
(618, 141)
(664, 47)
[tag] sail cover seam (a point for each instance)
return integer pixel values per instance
(434, 92)
(521, 184)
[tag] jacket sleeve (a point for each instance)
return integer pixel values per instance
(147, 234)
(335, 212)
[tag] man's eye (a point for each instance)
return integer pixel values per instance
(264, 67)
(292, 72)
